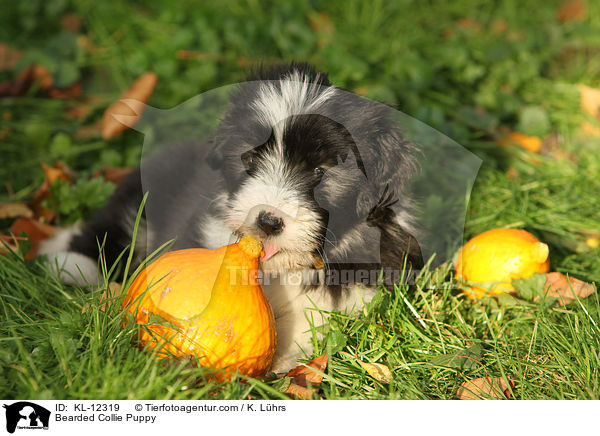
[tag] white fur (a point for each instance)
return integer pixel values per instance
(273, 189)
(214, 233)
(296, 310)
(295, 95)
(60, 241)
(74, 268)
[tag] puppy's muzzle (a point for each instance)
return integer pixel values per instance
(269, 223)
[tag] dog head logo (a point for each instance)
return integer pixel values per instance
(26, 415)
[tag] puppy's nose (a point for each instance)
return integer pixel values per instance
(269, 223)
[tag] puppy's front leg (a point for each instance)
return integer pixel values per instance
(297, 311)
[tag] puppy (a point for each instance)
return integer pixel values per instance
(319, 174)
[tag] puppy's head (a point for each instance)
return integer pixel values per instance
(292, 167)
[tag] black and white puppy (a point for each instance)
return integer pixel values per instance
(319, 174)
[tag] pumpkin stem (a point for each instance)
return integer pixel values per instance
(250, 245)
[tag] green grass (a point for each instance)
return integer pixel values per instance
(465, 80)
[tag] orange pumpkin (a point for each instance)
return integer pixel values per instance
(207, 304)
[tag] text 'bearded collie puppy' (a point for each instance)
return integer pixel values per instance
(319, 174)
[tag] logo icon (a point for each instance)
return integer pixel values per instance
(26, 415)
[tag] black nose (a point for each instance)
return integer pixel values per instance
(269, 223)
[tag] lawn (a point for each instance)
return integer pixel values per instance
(474, 70)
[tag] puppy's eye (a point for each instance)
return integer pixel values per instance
(319, 171)
(249, 160)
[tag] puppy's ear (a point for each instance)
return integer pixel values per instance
(389, 166)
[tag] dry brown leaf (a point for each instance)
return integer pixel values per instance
(15, 210)
(51, 173)
(71, 22)
(499, 25)
(33, 74)
(590, 100)
(302, 375)
(36, 232)
(18, 86)
(322, 25)
(113, 174)
(131, 110)
(85, 133)
(64, 93)
(589, 130)
(572, 10)
(9, 57)
(378, 371)
(200, 55)
(298, 392)
(42, 76)
(85, 42)
(562, 287)
(512, 173)
(552, 147)
(530, 143)
(485, 388)
(467, 23)
(113, 290)
(8, 240)
(79, 112)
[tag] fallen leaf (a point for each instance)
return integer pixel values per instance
(298, 392)
(113, 174)
(8, 242)
(467, 23)
(590, 100)
(15, 210)
(5, 132)
(322, 25)
(36, 232)
(200, 55)
(9, 57)
(33, 74)
(113, 290)
(468, 358)
(71, 22)
(562, 287)
(512, 173)
(86, 43)
(485, 388)
(42, 76)
(79, 113)
(85, 133)
(530, 143)
(378, 371)
(361, 90)
(63, 93)
(129, 107)
(302, 375)
(589, 130)
(499, 25)
(18, 86)
(573, 10)
(51, 173)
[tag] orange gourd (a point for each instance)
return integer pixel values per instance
(207, 304)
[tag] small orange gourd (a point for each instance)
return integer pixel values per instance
(207, 304)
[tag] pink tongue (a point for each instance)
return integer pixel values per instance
(270, 251)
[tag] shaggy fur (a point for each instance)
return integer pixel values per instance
(319, 174)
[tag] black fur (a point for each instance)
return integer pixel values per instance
(313, 144)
